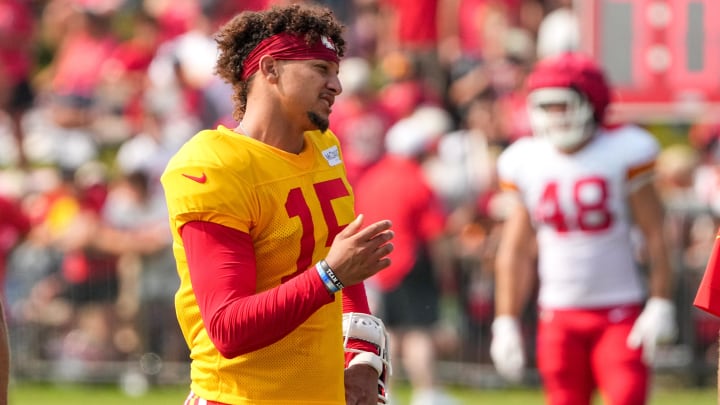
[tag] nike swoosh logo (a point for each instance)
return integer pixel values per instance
(202, 179)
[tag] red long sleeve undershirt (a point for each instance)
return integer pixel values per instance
(238, 320)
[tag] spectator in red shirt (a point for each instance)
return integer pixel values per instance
(16, 61)
(127, 68)
(413, 27)
(76, 70)
(359, 120)
(407, 292)
(14, 225)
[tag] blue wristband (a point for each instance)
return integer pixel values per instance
(329, 285)
(331, 274)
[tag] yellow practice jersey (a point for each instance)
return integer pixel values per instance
(292, 206)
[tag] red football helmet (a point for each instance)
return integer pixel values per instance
(567, 99)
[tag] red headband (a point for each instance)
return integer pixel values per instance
(285, 46)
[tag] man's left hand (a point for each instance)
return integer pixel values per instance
(655, 325)
(361, 385)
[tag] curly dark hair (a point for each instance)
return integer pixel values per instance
(237, 38)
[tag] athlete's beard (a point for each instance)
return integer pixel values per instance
(321, 123)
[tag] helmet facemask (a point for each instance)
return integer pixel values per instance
(561, 115)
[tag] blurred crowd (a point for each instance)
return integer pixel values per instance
(96, 95)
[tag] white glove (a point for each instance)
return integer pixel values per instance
(506, 348)
(655, 325)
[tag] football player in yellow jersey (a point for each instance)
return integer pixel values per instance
(270, 253)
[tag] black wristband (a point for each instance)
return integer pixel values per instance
(331, 275)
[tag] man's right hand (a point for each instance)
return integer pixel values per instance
(506, 348)
(357, 253)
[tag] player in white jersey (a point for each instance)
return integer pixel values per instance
(582, 188)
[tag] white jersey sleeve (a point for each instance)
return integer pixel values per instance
(639, 149)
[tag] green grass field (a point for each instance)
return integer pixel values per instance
(45, 394)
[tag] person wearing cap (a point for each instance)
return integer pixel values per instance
(270, 252)
(407, 294)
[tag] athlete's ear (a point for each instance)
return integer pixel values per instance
(269, 68)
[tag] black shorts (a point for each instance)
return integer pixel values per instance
(21, 98)
(101, 285)
(93, 292)
(415, 303)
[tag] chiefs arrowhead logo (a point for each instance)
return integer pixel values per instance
(328, 43)
(202, 179)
